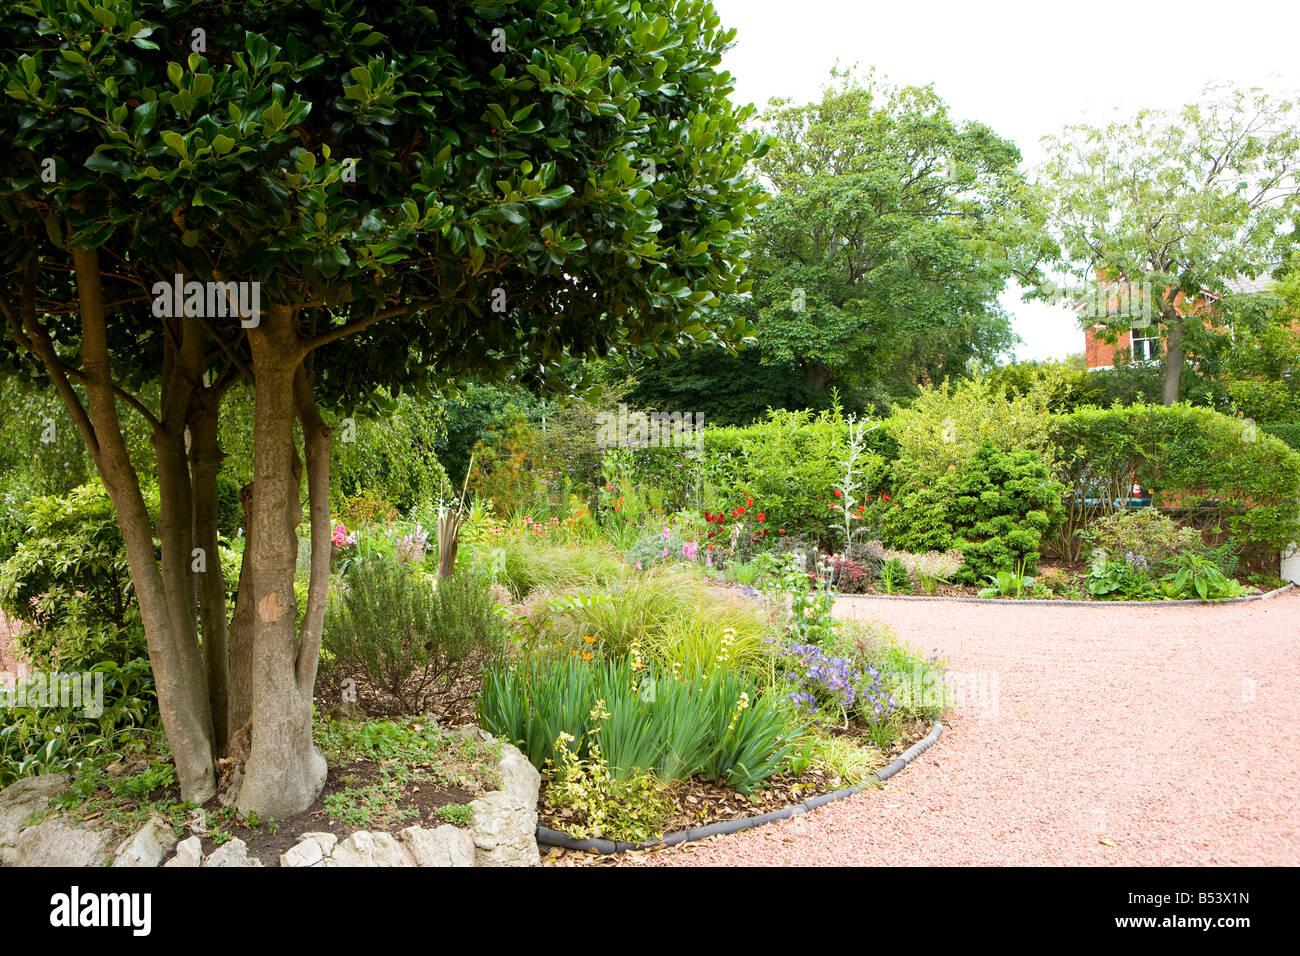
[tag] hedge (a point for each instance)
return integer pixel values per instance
(1289, 432)
(1242, 477)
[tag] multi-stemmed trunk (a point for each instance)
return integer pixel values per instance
(250, 684)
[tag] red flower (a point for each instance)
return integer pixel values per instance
(761, 516)
(838, 493)
(710, 535)
(782, 531)
(710, 546)
(884, 498)
(834, 506)
(741, 509)
(862, 509)
(749, 502)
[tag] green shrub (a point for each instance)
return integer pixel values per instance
(70, 564)
(36, 740)
(1198, 577)
(1003, 506)
(1289, 432)
(412, 636)
(1146, 532)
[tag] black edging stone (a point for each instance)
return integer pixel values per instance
(554, 838)
(1051, 602)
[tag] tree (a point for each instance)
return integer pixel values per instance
(891, 232)
(1171, 206)
(396, 194)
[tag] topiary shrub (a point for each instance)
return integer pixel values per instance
(1003, 505)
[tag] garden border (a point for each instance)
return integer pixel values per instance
(554, 838)
(1049, 602)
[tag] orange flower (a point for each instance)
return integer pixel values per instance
(589, 639)
(586, 655)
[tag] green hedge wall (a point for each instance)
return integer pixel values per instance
(1289, 432)
(1245, 478)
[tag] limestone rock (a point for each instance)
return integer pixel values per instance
(312, 850)
(234, 853)
(189, 852)
(444, 846)
(58, 842)
(364, 848)
(150, 844)
(505, 821)
(22, 798)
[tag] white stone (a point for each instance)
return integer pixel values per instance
(57, 842)
(313, 849)
(505, 821)
(22, 798)
(189, 852)
(364, 848)
(444, 846)
(150, 844)
(234, 853)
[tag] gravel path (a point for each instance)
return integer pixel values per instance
(1171, 733)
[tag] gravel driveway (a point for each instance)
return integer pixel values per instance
(1172, 733)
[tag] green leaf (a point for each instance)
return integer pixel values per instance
(175, 141)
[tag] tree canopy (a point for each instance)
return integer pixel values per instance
(410, 192)
(1174, 204)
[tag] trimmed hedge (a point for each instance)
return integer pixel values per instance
(1250, 487)
(1289, 432)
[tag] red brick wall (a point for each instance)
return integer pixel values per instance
(1099, 353)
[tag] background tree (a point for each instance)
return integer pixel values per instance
(1177, 204)
(892, 230)
(422, 192)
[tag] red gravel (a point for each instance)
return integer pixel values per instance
(1172, 733)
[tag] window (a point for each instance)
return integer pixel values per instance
(1145, 343)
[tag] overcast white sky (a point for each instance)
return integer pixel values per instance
(1024, 67)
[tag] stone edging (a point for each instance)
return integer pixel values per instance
(554, 838)
(503, 833)
(1050, 602)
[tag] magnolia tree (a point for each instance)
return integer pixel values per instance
(320, 199)
(1164, 208)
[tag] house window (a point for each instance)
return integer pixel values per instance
(1145, 344)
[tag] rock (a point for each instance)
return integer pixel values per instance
(234, 853)
(505, 821)
(313, 850)
(188, 853)
(57, 842)
(444, 846)
(151, 843)
(370, 849)
(22, 798)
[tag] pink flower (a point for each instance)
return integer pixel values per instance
(663, 553)
(666, 535)
(638, 565)
(689, 550)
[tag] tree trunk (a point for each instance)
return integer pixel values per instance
(240, 705)
(284, 772)
(817, 375)
(316, 446)
(1175, 356)
(178, 674)
(205, 462)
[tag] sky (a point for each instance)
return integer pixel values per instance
(1026, 68)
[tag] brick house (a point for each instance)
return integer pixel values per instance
(1142, 341)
